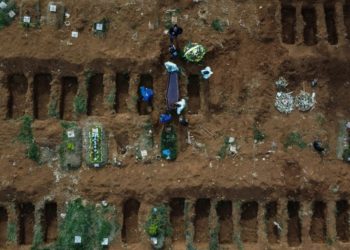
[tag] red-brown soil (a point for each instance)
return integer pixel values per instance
(261, 41)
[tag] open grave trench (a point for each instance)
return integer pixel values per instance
(310, 23)
(45, 95)
(277, 223)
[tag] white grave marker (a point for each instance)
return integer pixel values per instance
(26, 19)
(3, 5)
(77, 239)
(144, 154)
(12, 14)
(53, 8)
(75, 34)
(70, 134)
(104, 242)
(99, 26)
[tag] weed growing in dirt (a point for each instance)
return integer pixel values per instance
(12, 232)
(26, 136)
(258, 135)
(223, 150)
(92, 223)
(296, 139)
(217, 25)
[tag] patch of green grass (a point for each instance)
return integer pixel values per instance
(38, 238)
(214, 238)
(92, 223)
(33, 152)
(295, 139)
(217, 25)
(158, 224)
(80, 104)
(26, 136)
(258, 135)
(25, 133)
(12, 232)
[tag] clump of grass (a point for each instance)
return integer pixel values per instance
(12, 232)
(258, 135)
(38, 238)
(92, 223)
(296, 139)
(80, 104)
(33, 152)
(25, 133)
(26, 136)
(214, 238)
(217, 25)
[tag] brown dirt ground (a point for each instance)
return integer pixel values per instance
(246, 60)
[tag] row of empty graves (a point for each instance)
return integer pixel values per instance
(282, 222)
(43, 90)
(18, 222)
(288, 222)
(303, 22)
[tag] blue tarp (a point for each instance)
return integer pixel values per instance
(165, 118)
(146, 94)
